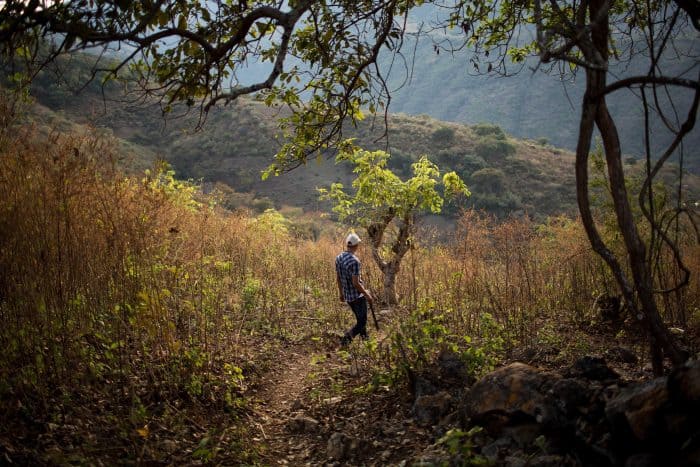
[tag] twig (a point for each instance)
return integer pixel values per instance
(189, 419)
(261, 430)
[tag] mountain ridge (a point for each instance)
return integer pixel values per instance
(507, 176)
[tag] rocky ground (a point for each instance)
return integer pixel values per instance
(316, 408)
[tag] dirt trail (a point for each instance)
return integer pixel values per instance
(277, 402)
(307, 411)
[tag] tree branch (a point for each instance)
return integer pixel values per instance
(656, 80)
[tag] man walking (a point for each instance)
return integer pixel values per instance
(351, 288)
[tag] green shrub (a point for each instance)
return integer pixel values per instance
(463, 164)
(491, 147)
(443, 136)
(469, 164)
(487, 129)
(488, 180)
(260, 205)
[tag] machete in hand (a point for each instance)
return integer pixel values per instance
(374, 317)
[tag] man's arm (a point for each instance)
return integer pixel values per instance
(361, 288)
(340, 286)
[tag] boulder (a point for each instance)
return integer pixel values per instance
(684, 383)
(302, 424)
(428, 410)
(515, 391)
(635, 411)
(341, 446)
(570, 395)
(589, 416)
(591, 368)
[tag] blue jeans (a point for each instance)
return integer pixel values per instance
(359, 307)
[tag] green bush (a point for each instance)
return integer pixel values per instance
(443, 136)
(463, 164)
(488, 180)
(487, 129)
(469, 164)
(491, 147)
(260, 205)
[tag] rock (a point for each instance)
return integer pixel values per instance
(523, 434)
(515, 391)
(570, 394)
(340, 446)
(302, 424)
(659, 420)
(635, 410)
(684, 382)
(592, 368)
(429, 409)
(494, 451)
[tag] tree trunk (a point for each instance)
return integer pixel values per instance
(594, 111)
(390, 268)
(389, 296)
(636, 249)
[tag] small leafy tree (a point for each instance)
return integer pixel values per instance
(386, 206)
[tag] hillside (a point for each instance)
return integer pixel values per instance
(505, 174)
(530, 104)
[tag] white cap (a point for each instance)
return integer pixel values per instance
(352, 240)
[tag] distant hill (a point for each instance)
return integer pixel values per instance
(530, 104)
(506, 175)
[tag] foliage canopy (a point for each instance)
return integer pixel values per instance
(379, 191)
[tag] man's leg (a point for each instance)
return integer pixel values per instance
(359, 307)
(347, 337)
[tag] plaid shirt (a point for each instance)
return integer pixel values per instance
(347, 265)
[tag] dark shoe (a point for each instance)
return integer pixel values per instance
(345, 340)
